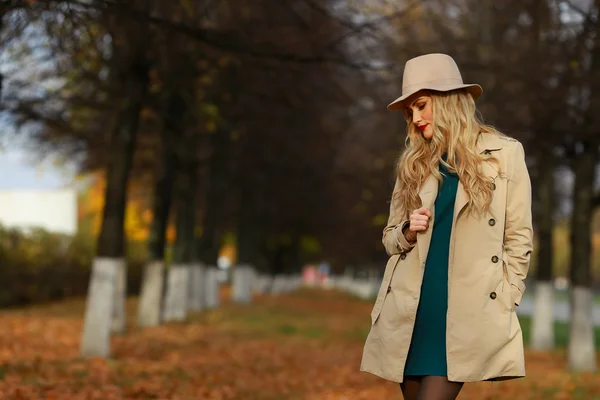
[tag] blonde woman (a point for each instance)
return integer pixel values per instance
(459, 237)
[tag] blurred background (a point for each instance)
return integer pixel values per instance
(181, 178)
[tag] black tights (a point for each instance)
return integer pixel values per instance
(429, 388)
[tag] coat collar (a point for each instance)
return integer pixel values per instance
(486, 144)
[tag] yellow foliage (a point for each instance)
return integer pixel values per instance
(171, 233)
(224, 61)
(138, 216)
(188, 6)
(574, 64)
(211, 126)
(380, 220)
(229, 251)
(206, 80)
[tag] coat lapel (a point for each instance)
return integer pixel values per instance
(428, 194)
(461, 200)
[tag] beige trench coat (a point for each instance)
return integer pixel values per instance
(488, 261)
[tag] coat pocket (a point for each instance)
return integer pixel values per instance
(516, 287)
(377, 308)
(506, 292)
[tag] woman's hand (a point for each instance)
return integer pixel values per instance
(419, 222)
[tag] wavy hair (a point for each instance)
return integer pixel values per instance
(456, 126)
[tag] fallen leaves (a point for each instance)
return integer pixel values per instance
(305, 345)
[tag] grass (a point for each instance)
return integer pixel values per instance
(561, 333)
(275, 319)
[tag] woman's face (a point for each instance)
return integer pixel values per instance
(419, 107)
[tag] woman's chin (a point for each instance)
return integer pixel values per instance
(427, 135)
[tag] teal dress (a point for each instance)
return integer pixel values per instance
(427, 351)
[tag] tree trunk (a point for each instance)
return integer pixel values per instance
(542, 335)
(149, 305)
(186, 214)
(215, 199)
(163, 195)
(111, 241)
(250, 220)
(109, 262)
(210, 243)
(176, 303)
(250, 231)
(581, 349)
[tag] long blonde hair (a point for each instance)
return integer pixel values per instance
(456, 126)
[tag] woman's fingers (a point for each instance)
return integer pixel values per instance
(419, 220)
(423, 211)
(418, 227)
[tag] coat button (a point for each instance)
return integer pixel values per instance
(495, 259)
(493, 295)
(402, 256)
(389, 289)
(492, 222)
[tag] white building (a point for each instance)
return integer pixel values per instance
(35, 192)
(54, 210)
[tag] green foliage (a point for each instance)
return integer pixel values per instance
(310, 244)
(37, 266)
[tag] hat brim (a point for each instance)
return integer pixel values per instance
(475, 90)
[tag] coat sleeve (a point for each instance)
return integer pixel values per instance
(518, 231)
(393, 238)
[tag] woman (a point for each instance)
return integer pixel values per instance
(459, 237)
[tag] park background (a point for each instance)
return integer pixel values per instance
(222, 178)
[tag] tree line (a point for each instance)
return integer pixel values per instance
(266, 120)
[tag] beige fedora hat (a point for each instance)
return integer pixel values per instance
(434, 72)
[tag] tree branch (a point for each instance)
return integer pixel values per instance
(228, 41)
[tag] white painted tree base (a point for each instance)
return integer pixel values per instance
(95, 341)
(365, 288)
(291, 283)
(278, 285)
(285, 284)
(542, 330)
(581, 353)
(149, 306)
(243, 275)
(119, 318)
(261, 283)
(197, 287)
(177, 293)
(212, 287)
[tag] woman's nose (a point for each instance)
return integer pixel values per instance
(416, 118)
